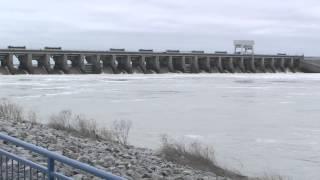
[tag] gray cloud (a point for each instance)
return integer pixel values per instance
(277, 26)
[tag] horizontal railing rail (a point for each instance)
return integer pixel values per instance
(7, 159)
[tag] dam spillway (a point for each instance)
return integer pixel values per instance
(116, 61)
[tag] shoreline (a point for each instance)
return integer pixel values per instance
(124, 160)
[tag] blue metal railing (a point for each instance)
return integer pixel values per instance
(14, 167)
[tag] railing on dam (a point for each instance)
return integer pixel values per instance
(116, 61)
(15, 167)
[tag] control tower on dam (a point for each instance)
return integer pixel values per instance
(55, 60)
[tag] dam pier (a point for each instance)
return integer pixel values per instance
(19, 60)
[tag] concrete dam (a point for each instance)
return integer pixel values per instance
(19, 60)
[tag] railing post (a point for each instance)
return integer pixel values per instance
(50, 168)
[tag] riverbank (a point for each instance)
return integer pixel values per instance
(123, 160)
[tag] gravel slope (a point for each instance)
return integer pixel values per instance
(127, 161)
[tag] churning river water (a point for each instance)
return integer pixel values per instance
(257, 123)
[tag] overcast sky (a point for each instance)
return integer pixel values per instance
(291, 26)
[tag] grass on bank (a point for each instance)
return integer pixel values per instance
(80, 125)
(271, 177)
(195, 155)
(202, 157)
(76, 124)
(69, 122)
(10, 110)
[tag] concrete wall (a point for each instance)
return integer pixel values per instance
(94, 63)
(310, 65)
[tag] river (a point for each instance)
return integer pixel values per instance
(256, 123)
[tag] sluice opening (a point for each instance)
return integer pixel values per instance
(87, 66)
(278, 65)
(39, 66)
(248, 65)
(296, 65)
(4, 70)
(268, 63)
(151, 65)
(15, 62)
(108, 65)
(178, 64)
(69, 63)
(35, 63)
(165, 65)
(124, 65)
(287, 66)
(259, 65)
(237, 65)
(214, 66)
(187, 65)
(86, 62)
(58, 65)
(77, 64)
(204, 65)
(20, 64)
(227, 65)
(52, 63)
(137, 65)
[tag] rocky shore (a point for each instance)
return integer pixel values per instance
(127, 161)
